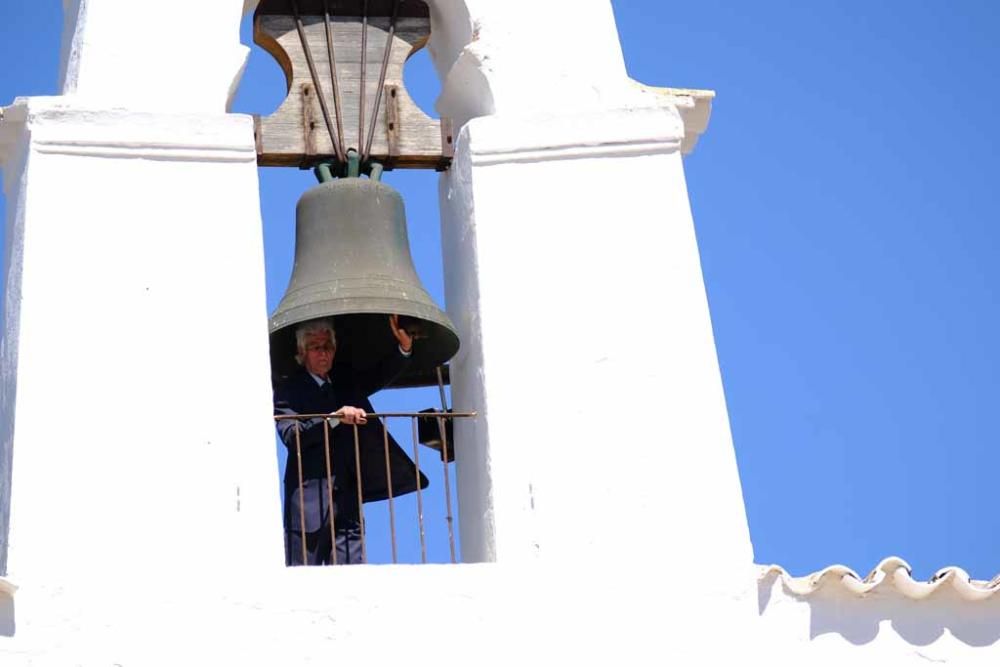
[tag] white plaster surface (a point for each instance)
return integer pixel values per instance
(605, 435)
(566, 58)
(573, 275)
(136, 346)
(182, 57)
(442, 615)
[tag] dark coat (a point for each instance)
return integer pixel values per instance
(300, 394)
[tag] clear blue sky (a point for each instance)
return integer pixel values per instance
(846, 205)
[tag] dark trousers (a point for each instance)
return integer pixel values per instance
(312, 504)
(318, 546)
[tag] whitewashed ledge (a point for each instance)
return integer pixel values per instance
(892, 573)
(694, 105)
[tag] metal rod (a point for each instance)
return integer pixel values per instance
(334, 80)
(420, 500)
(440, 379)
(361, 511)
(443, 432)
(447, 487)
(388, 477)
(364, 73)
(313, 74)
(329, 492)
(458, 415)
(302, 505)
(381, 80)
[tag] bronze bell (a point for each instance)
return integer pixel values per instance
(353, 264)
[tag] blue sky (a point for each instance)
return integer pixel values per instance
(846, 205)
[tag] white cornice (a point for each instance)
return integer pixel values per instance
(64, 125)
(616, 133)
(695, 107)
(11, 127)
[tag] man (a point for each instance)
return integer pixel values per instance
(344, 397)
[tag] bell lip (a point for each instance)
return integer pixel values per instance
(430, 313)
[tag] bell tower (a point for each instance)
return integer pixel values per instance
(598, 481)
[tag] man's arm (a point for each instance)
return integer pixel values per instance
(386, 371)
(310, 430)
(391, 365)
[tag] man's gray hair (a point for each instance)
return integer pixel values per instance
(309, 328)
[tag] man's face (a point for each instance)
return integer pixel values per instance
(317, 356)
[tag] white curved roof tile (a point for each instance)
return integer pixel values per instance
(893, 573)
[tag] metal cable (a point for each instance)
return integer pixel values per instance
(381, 80)
(364, 73)
(338, 147)
(313, 74)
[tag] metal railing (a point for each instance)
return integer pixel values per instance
(434, 433)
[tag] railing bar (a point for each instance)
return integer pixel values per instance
(313, 74)
(389, 414)
(447, 486)
(388, 477)
(361, 511)
(381, 80)
(338, 147)
(420, 501)
(440, 379)
(329, 492)
(442, 431)
(302, 504)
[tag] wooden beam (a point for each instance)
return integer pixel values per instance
(296, 133)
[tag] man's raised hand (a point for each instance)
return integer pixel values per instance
(402, 335)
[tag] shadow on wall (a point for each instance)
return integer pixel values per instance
(6, 615)
(834, 609)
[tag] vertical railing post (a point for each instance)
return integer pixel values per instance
(302, 504)
(442, 431)
(329, 493)
(447, 486)
(420, 500)
(388, 477)
(361, 511)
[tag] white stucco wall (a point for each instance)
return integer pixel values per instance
(13, 149)
(193, 63)
(592, 346)
(134, 253)
(140, 426)
(573, 275)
